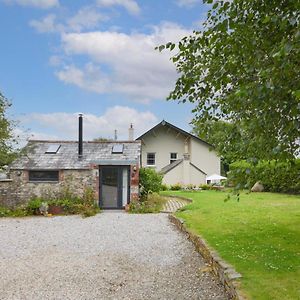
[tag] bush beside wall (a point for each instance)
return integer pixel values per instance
(152, 204)
(276, 176)
(150, 181)
(67, 201)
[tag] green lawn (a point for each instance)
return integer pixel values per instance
(259, 236)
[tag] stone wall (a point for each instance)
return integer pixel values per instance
(18, 190)
(8, 192)
(225, 272)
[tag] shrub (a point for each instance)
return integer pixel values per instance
(90, 211)
(20, 211)
(150, 181)
(88, 196)
(176, 187)
(204, 186)
(164, 187)
(4, 211)
(68, 201)
(153, 203)
(276, 176)
(33, 205)
(190, 187)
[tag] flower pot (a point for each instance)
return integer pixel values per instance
(55, 210)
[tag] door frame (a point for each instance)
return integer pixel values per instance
(119, 188)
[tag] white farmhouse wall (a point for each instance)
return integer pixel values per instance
(162, 142)
(174, 176)
(196, 177)
(204, 158)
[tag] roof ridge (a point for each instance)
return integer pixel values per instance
(87, 142)
(197, 168)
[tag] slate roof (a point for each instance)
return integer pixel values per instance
(99, 153)
(175, 163)
(171, 166)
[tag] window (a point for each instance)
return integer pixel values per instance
(150, 159)
(173, 157)
(52, 149)
(117, 148)
(44, 176)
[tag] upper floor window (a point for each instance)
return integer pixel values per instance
(173, 157)
(44, 176)
(151, 159)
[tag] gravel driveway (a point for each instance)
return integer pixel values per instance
(113, 255)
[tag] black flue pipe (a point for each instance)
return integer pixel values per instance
(80, 136)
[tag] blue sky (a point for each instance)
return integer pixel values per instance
(97, 57)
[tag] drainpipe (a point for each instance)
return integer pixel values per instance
(186, 164)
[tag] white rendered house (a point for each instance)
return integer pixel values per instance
(182, 157)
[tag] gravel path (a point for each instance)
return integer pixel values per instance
(113, 255)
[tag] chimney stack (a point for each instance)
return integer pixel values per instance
(116, 134)
(80, 136)
(130, 132)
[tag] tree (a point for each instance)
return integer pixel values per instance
(222, 135)
(243, 68)
(7, 139)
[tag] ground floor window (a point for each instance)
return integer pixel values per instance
(44, 176)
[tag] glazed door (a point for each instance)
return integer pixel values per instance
(113, 186)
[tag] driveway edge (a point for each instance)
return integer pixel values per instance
(225, 272)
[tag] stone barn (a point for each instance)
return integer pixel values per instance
(111, 169)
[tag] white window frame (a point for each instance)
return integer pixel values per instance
(173, 159)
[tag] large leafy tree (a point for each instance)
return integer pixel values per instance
(7, 139)
(222, 135)
(243, 67)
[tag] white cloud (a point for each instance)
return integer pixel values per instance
(136, 70)
(130, 5)
(34, 3)
(22, 136)
(187, 3)
(117, 117)
(89, 78)
(55, 60)
(47, 24)
(86, 18)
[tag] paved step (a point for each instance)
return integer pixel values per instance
(173, 204)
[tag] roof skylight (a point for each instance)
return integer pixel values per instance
(117, 148)
(53, 149)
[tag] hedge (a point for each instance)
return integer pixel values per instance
(276, 176)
